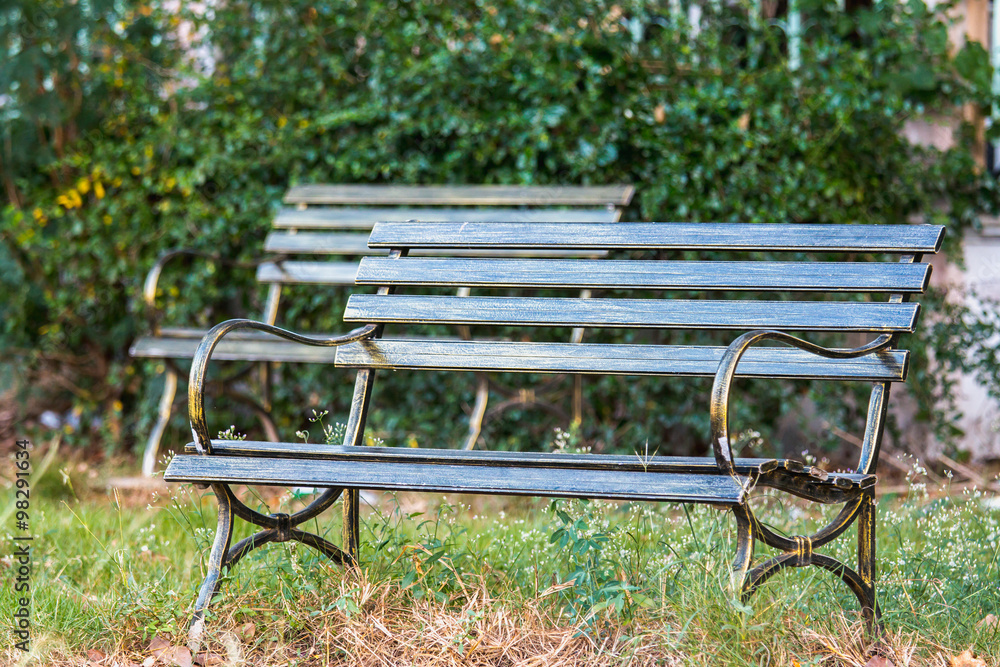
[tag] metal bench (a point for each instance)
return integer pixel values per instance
(718, 479)
(332, 222)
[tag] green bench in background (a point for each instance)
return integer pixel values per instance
(330, 225)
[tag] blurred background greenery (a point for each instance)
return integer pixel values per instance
(132, 127)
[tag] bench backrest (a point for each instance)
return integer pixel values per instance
(333, 221)
(861, 268)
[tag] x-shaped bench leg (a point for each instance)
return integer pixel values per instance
(797, 551)
(277, 528)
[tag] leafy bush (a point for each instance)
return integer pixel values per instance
(710, 127)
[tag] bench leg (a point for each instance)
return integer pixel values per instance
(216, 559)
(744, 550)
(478, 412)
(278, 528)
(866, 563)
(162, 419)
(797, 551)
(352, 525)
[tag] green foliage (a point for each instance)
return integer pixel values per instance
(165, 153)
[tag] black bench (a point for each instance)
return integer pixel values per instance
(316, 239)
(718, 479)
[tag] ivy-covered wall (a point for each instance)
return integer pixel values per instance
(117, 147)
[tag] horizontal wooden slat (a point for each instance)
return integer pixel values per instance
(651, 463)
(336, 243)
(619, 359)
(764, 469)
(308, 273)
(443, 478)
(234, 348)
(634, 274)
(633, 313)
(462, 195)
(661, 235)
(327, 243)
(322, 217)
(181, 343)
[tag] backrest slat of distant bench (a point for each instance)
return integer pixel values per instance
(334, 243)
(617, 359)
(633, 313)
(893, 277)
(461, 195)
(307, 273)
(652, 235)
(364, 218)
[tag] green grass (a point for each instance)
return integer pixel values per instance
(464, 579)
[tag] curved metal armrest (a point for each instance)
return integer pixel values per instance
(199, 366)
(719, 410)
(153, 277)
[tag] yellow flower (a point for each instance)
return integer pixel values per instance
(39, 216)
(98, 190)
(116, 406)
(303, 124)
(106, 219)
(171, 182)
(83, 185)
(136, 171)
(148, 151)
(70, 200)
(282, 121)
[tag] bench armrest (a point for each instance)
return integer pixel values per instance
(155, 315)
(721, 387)
(199, 366)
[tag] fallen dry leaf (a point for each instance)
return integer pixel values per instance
(247, 631)
(157, 645)
(879, 661)
(148, 662)
(743, 122)
(991, 622)
(209, 659)
(660, 113)
(966, 659)
(177, 655)
(95, 656)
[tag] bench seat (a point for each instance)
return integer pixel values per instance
(395, 474)
(813, 481)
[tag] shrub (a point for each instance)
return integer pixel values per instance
(709, 127)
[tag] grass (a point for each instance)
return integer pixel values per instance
(483, 581)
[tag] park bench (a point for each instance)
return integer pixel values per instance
(329, 224)
(874, 270)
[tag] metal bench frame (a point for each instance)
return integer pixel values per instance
(331, 222)
(720, 480)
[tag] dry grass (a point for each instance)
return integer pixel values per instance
(117, 570)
